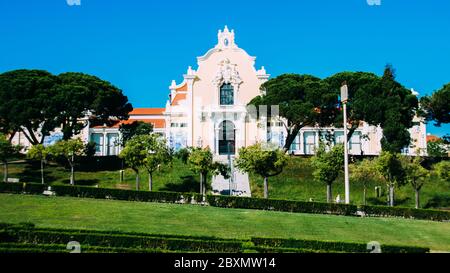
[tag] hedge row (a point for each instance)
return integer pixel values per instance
(25, 236)
(228, 201)
(60, 248)
(31, 236)
(332, 246)
(28, 226)
(426, 214)
(280, 205)
(128, 195)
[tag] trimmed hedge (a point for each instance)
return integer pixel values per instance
(228, 201)
(425, 214)
(24, 237)
(11, 187)
(280, 205)
(31, 236)
(128, 195)
(329, 246)
(60, 248)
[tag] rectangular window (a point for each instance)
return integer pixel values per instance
(226, 94)
(98, 139)
(309, 142)
(355, 143)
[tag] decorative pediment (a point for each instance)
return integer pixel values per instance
(227, 73)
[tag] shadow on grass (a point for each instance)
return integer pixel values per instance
(188, 183)
(82, 182)
(381, 201)
(32, 173)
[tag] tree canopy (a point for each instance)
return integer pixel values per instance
(379, 101)
(328, 165)
(135, 128)
(302, 99)
(437, 106)
(36, 102)
(390, 167)
(68, 149)
(201, 161)
(263, 160)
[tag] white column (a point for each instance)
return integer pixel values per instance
(105, 142)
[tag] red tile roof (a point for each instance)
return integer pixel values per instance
(147, 111)
(157, 123)
(182, 88)
(432, 138)
(178, 97)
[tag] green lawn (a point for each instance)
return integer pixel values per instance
(66, 212)
(297, 183)
(178, 177)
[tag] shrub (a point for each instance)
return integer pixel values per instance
(329, 246)
(130, 195)
(439, 201)
(11, 187)
(425, 214)
(280, 205)
(122, 241)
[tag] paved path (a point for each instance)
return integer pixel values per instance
(239, 184)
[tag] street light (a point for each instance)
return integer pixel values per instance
(344, 98)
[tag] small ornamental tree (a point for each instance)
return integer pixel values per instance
(390, 167)
(437, 148)
(328, 166)
(41, 153)
(136, 128)
(7, 151)
(262, 159)
(134, 155)
(364, 172)
(442, 169)
(68, 149)
(201, 161)
(416, 175)
(157, 153)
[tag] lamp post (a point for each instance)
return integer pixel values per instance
(344, 98)
(230, 180)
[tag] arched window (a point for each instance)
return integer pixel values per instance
(226, 94)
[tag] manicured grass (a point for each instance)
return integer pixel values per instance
(80, 213)
(296, 182)
(178, 177)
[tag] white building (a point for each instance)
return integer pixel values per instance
(208, 108)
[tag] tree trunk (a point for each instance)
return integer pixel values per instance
(417, 198)
(391, 195)
(137, 181)
(201, 183)
(150, 181)
(42, 171)
(72, 175)
(291, 137)
(266, 187)
(72, 172)
(364, 196)
(5, 171)
(329, 194)
(204, 183)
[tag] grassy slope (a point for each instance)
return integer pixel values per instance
(175, 178)
(66, 212)
(295, 183)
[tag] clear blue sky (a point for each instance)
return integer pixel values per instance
(140, 46)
